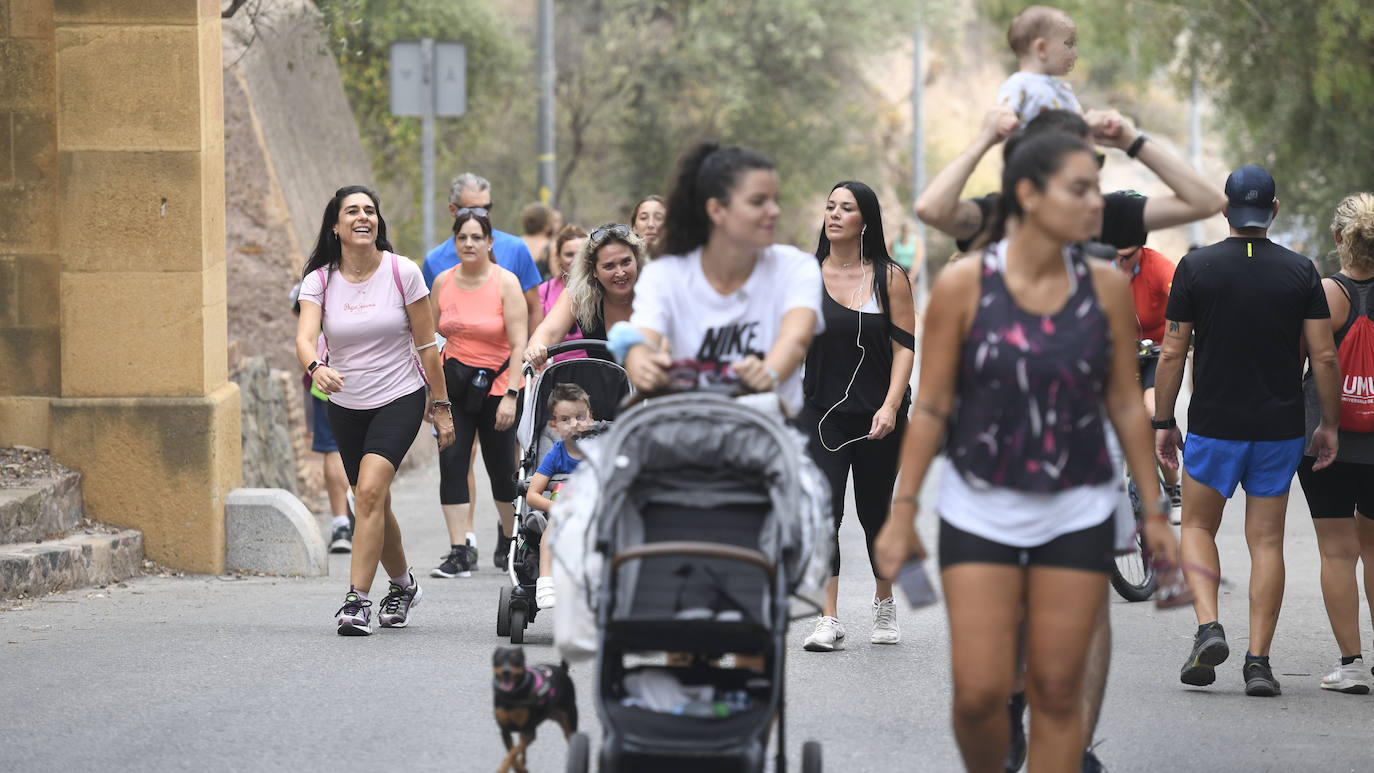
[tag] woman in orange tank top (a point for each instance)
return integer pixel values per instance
(479, 309)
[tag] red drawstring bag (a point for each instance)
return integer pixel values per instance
(1356, 355)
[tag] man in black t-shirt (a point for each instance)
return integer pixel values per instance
(1252, 305)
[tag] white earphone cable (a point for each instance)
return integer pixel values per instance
(863, 352)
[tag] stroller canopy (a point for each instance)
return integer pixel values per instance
(700, 450)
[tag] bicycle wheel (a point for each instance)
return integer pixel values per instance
(1132, 577)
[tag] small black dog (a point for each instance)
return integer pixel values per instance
(526, 696)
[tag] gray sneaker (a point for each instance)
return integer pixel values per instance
(353, 616)
(396, 606)
(341, 541)
(1209, 651)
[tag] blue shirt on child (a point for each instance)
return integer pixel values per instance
(557, 461)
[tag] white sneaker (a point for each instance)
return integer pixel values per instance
(828, 636)
(885, 630)
(1349, 679)
(543, 593)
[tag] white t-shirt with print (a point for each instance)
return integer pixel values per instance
(368, 332)
(1028, 93)
(674, 298)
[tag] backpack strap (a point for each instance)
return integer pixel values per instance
(414, 355)
(324, 299)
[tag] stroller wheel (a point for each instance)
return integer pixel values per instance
(503, 612)
(517, 626)
(579, 753)
(811, 757)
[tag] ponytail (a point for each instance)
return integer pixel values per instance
(706, 172)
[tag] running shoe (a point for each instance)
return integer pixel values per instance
(1209, 651)
(396, 606)
(1016, 751)
(453, 564)
(1259, 679)
(827, 637)
(544, 595)
(885, 630)
(472, 556)
(1091, 764)
(1349, 679)
(353, 616)
(341, 541)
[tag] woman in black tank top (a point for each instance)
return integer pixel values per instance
(856, 387)
(600, 291)
(1013, 344)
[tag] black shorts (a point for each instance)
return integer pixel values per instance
(1147, 372)
(1339, 490)
(1090, 549)
(387, 431)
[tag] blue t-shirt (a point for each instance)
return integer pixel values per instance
(509, 249)
(557, 462)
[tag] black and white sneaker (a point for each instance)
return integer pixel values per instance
(454, 564)
(354, 617)
(342, 540)
(396, 606)
(500, 555)
(472, 556)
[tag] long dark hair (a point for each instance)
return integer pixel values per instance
(707, 171)
(872, 244)
(326, 254)
(1036, 159)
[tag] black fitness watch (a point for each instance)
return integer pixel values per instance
(1169, 423)
(1134, 149)
(512, 393)
(312, 366)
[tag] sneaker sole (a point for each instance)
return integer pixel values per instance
(815, 646)
(419, 593)
(885, 640)
(353, 629)
(1261, 688)
(447, 576)
(1202, 671)
(1347, 686)
(340, 546)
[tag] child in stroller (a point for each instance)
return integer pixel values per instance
(570, 412)
(601, 384)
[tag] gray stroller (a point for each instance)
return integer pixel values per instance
(692, 525)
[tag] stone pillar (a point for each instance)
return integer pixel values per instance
(145, 410)
(30, 267)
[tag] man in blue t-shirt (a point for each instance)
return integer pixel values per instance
(1253, 305)
(472, 192)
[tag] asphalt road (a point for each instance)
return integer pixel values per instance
(246, 673)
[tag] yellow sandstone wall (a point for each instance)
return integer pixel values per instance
(114, 323)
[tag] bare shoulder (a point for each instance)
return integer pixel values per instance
(1110, 282)
(962, 274)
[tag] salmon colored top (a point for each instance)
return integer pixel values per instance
(473, 327)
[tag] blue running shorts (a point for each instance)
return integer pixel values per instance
(323, 441)
(1264, 467)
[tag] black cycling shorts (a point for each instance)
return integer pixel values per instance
(1148, 366)
(1339, 490)
(387, 431)
(1090, 549)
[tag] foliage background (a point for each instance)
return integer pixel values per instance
(1289, 85)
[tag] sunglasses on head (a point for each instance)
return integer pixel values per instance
(618, 231)
(478, 211)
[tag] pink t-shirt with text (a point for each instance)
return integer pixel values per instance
(368, 331)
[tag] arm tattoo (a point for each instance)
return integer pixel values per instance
(970, 220)
(1173, 326)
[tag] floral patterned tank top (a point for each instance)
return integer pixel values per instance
(1031, 387)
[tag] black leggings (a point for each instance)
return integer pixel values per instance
(498, 453)
(874, 463)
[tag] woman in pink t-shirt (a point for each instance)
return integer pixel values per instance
(566, 247)
(371, 305)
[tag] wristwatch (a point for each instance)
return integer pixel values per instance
(1168, 423)
(1134, 149)
(311, 367)
(512, 393)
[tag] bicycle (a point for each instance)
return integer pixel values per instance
(1134, 577)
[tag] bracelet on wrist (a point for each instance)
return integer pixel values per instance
(1134, 149)
(1169, 423)
(444, 404)
(907, 499)
(772, 375)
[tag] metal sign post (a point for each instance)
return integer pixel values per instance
(429, 80)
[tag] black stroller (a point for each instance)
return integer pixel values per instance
(694, 522)
(607, 384)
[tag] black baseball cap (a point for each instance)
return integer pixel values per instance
(1250, 198)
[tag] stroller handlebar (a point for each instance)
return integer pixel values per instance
(581, 344)
(708, 549)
